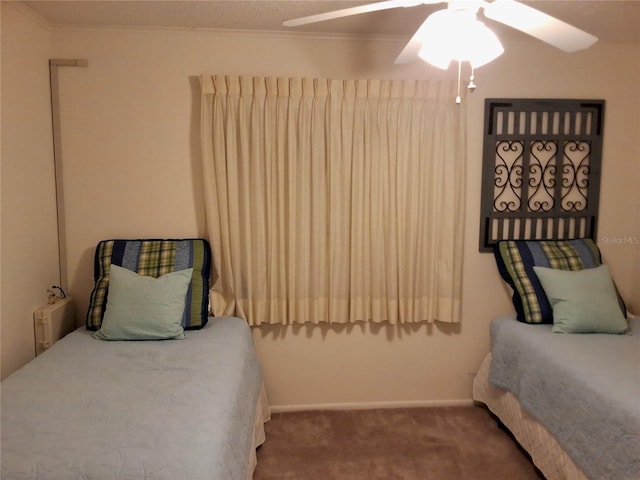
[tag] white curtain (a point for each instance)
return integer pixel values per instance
(334, 200)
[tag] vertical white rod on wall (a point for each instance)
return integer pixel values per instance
(57, 161)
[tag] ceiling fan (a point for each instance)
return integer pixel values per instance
(509, 12)
(455, 34)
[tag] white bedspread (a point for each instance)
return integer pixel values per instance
(95, 410)
(583, 388)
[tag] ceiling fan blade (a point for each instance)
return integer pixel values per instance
(410, 52)
(538, 24)
(345, 12)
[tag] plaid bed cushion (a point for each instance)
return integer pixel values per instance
(516, 258)
(154, 258)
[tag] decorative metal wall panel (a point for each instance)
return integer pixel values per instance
(541, 169)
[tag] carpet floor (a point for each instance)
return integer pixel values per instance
(443, 443)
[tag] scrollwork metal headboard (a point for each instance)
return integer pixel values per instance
(541, 169)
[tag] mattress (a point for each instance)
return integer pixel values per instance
(174, 409)
(582, 388)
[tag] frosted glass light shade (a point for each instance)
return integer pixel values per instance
(458, 35)
(484, 46)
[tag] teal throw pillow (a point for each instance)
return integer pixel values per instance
(144, 308)
(583, 301)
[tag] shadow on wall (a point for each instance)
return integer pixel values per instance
(392, 332)
(82, 284)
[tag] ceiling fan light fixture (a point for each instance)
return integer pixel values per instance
(438, 57)
(457, 35)
(484, 46)
(437, 40)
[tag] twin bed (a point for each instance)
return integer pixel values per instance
(568, 389)
(189, 407)
(571, 401)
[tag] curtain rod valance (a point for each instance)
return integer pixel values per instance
(320, 87)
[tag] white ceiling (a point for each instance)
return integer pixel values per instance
(611, 20)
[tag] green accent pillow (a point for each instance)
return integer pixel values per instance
(583, 301)
(144, 308)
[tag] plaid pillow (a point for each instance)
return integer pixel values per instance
(154, 258)
(516, 259)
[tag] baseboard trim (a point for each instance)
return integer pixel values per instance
(371, 405)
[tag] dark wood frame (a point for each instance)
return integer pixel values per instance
(541, 169)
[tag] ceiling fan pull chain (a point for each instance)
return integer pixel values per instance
(472, 83)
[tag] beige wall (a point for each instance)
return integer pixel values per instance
(135, 110)
(29, 237)
(131, 152)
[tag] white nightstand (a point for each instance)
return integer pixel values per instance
(53, 321)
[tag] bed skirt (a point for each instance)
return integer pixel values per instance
(546, 453)
(263, 415)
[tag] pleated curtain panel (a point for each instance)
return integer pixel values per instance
(334, 200)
